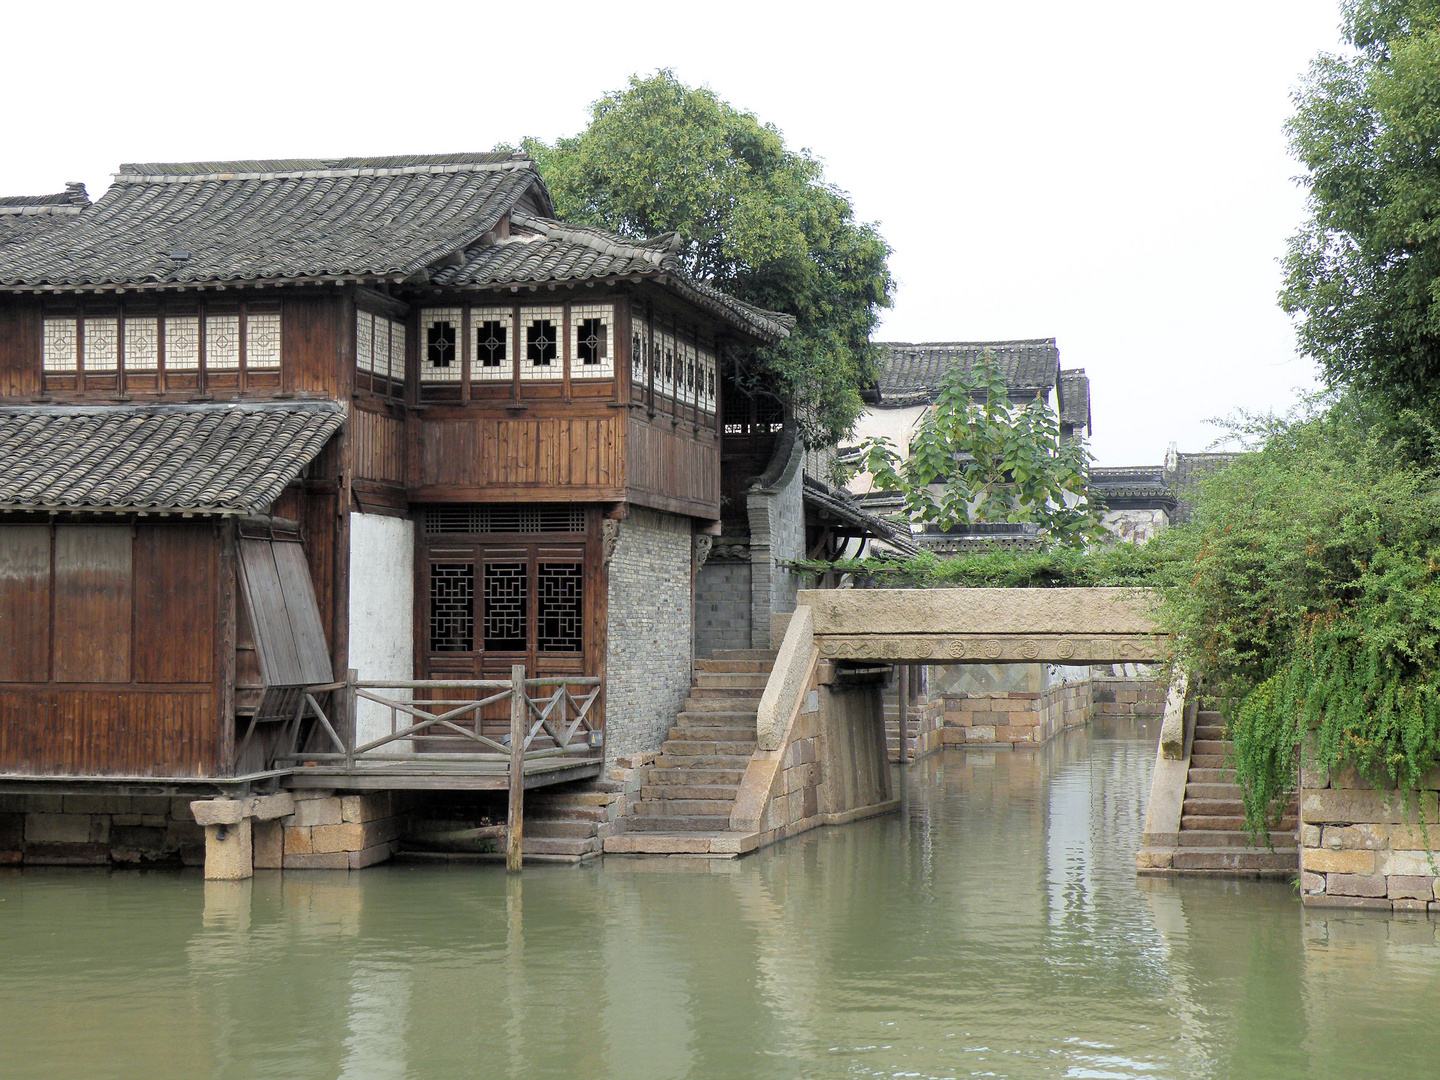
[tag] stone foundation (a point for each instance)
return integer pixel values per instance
(334, 832)
(1122, 696)
(99, 830)
(1015, 717)
(1363, 848)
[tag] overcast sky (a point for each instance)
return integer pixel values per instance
(1112, 174)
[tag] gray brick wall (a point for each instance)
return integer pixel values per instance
(722, 607)
(647, 670)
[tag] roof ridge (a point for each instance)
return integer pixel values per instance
(601, 240)
(183, 172)
(960, 344)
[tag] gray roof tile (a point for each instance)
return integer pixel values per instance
(24, 216)
(911, 372)
(275, 220)
(206, 459)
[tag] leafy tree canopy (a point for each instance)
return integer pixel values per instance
(979, 457)
(762, 224)
(1363, 274)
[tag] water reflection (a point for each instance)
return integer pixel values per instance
(994, 928)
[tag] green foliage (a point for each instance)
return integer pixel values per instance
(1050, 568)
(1363, 274)
(979, 457)
(1307, 589)
(761, 222)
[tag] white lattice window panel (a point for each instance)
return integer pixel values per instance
(182, 343)
(540, 343)
(639, 351)
(492, 344)
(664, 363)
(397, 351)
(262, 340)
(222, 342)
(380, 346)
(102, 344)
(142, 343)
(687, 371)
(592, 341)
(60, 347)
(365, 341)
(440, 345)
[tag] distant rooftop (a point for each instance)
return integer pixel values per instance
(911, 372)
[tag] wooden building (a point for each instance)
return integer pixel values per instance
(266, 422)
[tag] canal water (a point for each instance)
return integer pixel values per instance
(995, 929)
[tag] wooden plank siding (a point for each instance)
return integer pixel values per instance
(671, 469)
(20, 345)
(378, 446)
(108, 650)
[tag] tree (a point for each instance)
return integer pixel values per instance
(760, 221)
(1363, 274)
(979, 457)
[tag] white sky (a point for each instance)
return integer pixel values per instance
(1109, 173)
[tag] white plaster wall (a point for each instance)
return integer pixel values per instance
(382, 611)
(1135, 526)
(897, 425)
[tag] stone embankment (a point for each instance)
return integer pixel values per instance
(1363, 848)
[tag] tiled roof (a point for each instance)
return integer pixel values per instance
(24, 216)
(1132, 487)
(220, 221)
(1075, 399)
(204, 459)
(1189, 468)
(911, 373)
(542, 250)
(842, 506)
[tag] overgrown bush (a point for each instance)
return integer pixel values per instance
(1305, 589)
(1050, 568)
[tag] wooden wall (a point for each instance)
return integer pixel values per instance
(378, 446)
(547, 455)
(678, 471)
(110, 649)
(20, 329)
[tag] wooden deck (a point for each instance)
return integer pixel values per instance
(426, 773)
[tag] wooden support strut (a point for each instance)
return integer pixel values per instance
(515, 815)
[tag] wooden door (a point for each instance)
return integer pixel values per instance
(492, 602)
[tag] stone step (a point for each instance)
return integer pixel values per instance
(544, 827)
(731, 680)
(704, 762)
(718, 792)
(694, 776)
(709, 733)
(680, 843)
(1230, 822)
(1209, 718)
(550, 812)
(1213, 807)
(1210, 733)
(1210, 761)
(734, 665)
(1212, 791)
(1233, 859)
(733, 748)
(572, 798)
(671, 808)
(747, 654)
(725, 693)
(676, 823)
(1210, 776)
(559, 845)
(721, 703)
(722, 717)
(1210, 746)
(1228, 838)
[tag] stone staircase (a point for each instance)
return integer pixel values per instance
(1212, 837)
(686, 800)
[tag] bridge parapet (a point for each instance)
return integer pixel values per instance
(1059, 626)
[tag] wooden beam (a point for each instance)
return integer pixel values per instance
(515, 816)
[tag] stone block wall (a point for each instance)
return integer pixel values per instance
(648, 657)
(1362, 848)
(722, 603)
(1118, 696)
(924, 721)
(1016, 717)
(99, 830)
(333, 832)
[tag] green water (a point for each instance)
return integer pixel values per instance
(996, 929)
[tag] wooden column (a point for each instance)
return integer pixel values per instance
(903, 712)
(515, 816)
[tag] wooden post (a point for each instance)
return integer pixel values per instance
(350, 703)
(519, 721)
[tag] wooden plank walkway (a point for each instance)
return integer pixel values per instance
(428, 774)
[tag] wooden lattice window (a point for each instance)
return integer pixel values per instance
(507, 596)
(560, 606)
(452, 607)
(490, 344)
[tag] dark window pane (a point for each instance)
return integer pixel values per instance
(440, 344)
(452, 607)
(590, 342)
(490, 343)
(507, 592)
(541, 343)
(560, 611)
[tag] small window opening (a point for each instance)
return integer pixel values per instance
(591, 345)
(440, 344)
(541, 343)
(490, 343)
